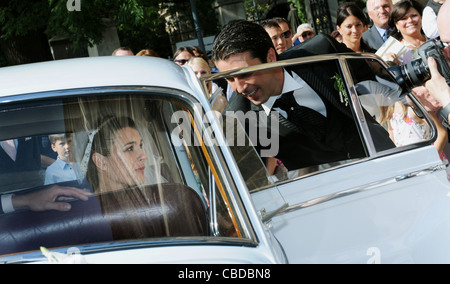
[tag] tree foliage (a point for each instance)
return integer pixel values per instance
(138, 22)
(141, 26)
(83, 28)
(300, 5)
(18, 18)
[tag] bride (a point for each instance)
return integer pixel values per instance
(117, 156)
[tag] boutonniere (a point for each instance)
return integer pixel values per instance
(339, 86)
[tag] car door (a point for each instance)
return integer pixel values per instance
(389, 205)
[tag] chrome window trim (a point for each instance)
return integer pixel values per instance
(98, 248)
(221, 167)
(358, 107)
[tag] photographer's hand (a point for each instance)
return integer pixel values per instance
(428, 101)
(437, 86)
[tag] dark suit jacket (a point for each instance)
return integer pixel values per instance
(372, 38)
(317, 45)
(25, 170)
(342, 140)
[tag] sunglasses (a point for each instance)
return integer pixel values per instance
(287, 34)
(181, 61)
(305, 34)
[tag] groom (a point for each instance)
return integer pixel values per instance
(315, 127)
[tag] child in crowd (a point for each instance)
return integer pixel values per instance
(63, 169)
(405, 127)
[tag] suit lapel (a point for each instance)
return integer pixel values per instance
(378, 40)
(377, 37)
(5, 159)
(285, 127)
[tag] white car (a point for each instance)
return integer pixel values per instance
(208, 196)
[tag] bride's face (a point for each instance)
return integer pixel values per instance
(125, 166)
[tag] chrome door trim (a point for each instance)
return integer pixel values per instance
(359, 113)
(359, 189)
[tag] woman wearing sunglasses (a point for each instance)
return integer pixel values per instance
(182, 55)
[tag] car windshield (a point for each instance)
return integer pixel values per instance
(147, 177)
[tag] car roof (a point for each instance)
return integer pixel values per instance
(88, 72)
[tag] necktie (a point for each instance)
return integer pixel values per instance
(386, 34)
(10, 148)
(307, 120)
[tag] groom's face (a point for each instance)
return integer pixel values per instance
(256, 86)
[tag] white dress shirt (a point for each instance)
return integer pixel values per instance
(382, 32)
(304, 95)
(7, 205)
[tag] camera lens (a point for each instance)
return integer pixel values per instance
(412, 74)
(418, 72)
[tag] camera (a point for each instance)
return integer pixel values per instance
(416, 72)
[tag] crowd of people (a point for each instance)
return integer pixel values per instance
(405, 21)
(401, 21)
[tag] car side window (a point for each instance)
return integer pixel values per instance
(385, 102)
(322, 90)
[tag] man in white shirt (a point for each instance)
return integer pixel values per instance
(319, 128)
(303, 95)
